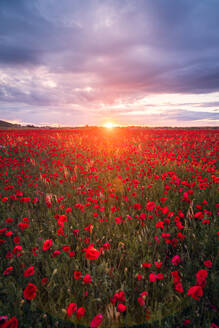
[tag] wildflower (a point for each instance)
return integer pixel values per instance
(44, 281)
(160, 224)
(208, 264)
(71, 309)
(139, 276)
(152, 277)
(186, 322)
(30, 291)
(16, 240)
(92, 253)
(196, 292)
(77, 275)
(55, 253)
(87, 279)
(29, 272)
(96, 321)
(146, 265)
(150, 206)
(121, 308)
(176, 260)
(178, 287)
(47, 244)
(141, 301)
(80, 313)
(8, 271)
(12, 323)
(158, 264)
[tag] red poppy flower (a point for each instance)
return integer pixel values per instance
(158, 264)
(139, 276)
(152, 277)
(3, 319)
(12, 323)
(80, 313)
(71, 309)
(146, 265)
(47, 244)
(8, 271)
(22, 226)
(160, 224)
(71, 254)
(9, 220)
(178, 287)
(213, 325)
(106, 246)
(87, 279)
(16, 239)
(29, 272)
(208, 264)
(91, 253)
(44, 281)
(35, 251)
(66, 248)
(201, 274)
(77, 275)
(96, 321)
(117, 219)
(121, 308)
(176, 278)
(55, 253)
(144, 294)
(141, 301)
(30, 291)
(159, 276)
(150, 206)
(186, 322)
(60, 232)
(8, 233)
(176, 260)
(17, 249)
(196, 292)
(2, 231)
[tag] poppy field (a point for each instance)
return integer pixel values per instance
(109, 228)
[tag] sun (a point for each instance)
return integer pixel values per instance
(109, 125)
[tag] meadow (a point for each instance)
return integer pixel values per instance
(109, 227)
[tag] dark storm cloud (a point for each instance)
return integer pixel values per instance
(123, 50)
(27, 36)
(15, 55)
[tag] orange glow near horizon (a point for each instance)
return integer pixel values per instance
(109, 125)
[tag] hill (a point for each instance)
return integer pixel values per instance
(6, 125)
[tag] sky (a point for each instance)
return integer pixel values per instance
(132, 62)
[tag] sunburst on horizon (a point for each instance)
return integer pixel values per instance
(109, 125)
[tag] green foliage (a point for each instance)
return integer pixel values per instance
(117, 175)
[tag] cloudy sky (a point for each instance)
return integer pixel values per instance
(71, 62)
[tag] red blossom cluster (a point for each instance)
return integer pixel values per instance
(92, 215)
